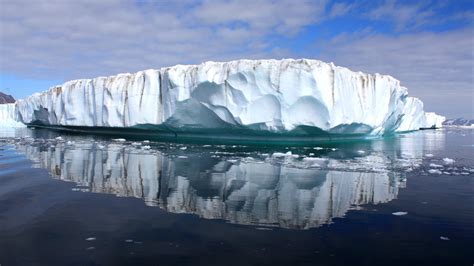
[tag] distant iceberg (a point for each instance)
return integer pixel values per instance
(290, 97)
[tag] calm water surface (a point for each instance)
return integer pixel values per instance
(85, 200)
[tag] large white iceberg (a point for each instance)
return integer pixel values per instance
(279, 96)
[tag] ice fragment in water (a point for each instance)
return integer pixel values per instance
(399, 213)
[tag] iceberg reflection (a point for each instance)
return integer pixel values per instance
(287, 192)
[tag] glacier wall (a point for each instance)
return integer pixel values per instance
(272, 95)
(9, 116)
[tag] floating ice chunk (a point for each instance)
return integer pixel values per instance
(129, 240)
(448, 160)
(434, 171)
(59, 138)
(429, 155)
(278, 154)
(119, 140)
(146, 141)
(182, 157)
(90, 239)
(433, 165)
(146, 147)
(183, 148)
(90, 248)
(136, 144)
(399, 213)
(318, 148)
(361, 151)
(444, 238)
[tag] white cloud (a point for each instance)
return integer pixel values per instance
(285, 16)
(340, 9)
(77, 39)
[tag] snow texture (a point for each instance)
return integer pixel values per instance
(269, 95)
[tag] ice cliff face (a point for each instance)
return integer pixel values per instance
(8, 116)
(273, 95)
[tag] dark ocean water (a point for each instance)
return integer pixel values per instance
(88, 200)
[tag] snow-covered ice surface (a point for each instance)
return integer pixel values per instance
(299, 97)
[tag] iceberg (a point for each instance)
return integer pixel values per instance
(9, 116)
(283, 97)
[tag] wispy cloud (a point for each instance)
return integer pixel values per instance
(407, 16)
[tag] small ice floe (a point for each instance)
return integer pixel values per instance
(312, 159)
(99, 146)
(434, 171)
(278, 154)
(90, 239)
(183, 148)
(129, 240)
(444, 238)
(146, 147)
(429, 155)
(59, 138)
(70, 142)
(90, 248)
(318, 148)
(136, 144)
(361, 151)
(333, 149)
(399, 213)
(448, 161)
(311, 154)
(146, 141)
(433, 165)
(119, 140)
(182, 157)
(232, 161)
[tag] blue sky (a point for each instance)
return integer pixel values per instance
(428, 45)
